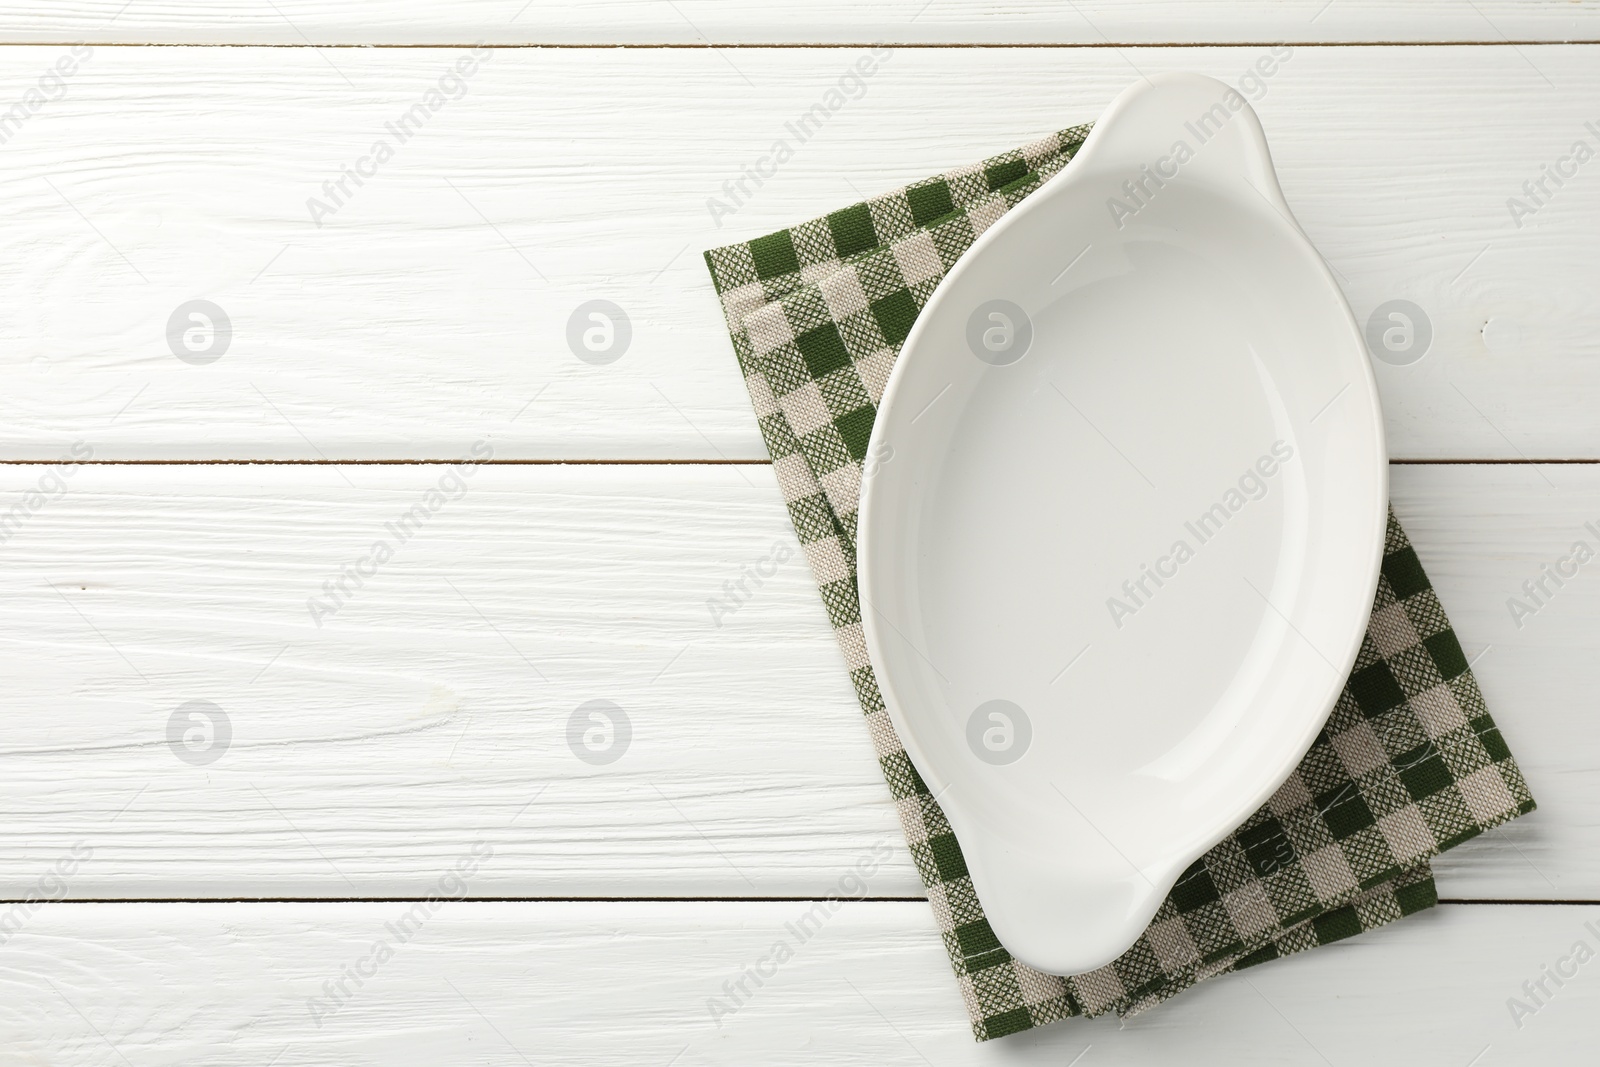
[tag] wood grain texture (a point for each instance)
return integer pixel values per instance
(613, 984)
(430, 310)
(297, 22)
(432, 707)
(431, 711)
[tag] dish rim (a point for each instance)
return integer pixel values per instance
(1289, 228)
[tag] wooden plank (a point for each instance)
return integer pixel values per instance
(297, 22)
(430, 310)
(1481, 533)
(433, 703)
(627, 983)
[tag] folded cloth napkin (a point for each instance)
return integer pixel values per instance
(1408, 765)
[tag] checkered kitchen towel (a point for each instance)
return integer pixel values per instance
(1409, 764)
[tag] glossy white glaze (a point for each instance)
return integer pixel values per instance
(1138, 500)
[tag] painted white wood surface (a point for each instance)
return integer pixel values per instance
(1093, 22)
(431, 710)
(496, 984)
(430, 310)
(433, 705)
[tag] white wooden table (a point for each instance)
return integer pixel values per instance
(228, 911)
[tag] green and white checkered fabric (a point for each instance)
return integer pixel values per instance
(1409, 764)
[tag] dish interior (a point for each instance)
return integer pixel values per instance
(1152, 539)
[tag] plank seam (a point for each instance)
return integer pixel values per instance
(6, 901)
(701, 46)
(1470, 462)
